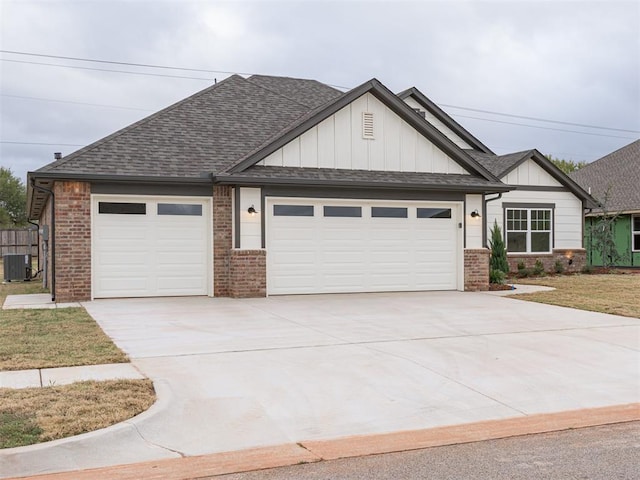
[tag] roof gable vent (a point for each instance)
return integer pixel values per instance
(367, 125)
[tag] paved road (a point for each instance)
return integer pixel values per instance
(608, 453)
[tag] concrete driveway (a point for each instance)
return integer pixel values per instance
(234, 374)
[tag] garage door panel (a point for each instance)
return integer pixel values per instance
(151, 255)
(323, 254)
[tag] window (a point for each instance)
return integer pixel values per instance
(434, 213)
(389, 212)
(635, 233)
(122, 208)
(528, 230)
(342, 211)
(293, 210)
(179, 209)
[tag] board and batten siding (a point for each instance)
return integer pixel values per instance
(567, 214)
(337, 142)
(473, 224)
(250, 225)
(446, 131)
(530, 173)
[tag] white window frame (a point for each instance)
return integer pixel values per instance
(529, 230)
(634, 232)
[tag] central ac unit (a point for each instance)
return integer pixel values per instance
(17, 266)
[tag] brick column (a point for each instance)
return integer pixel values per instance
(476, 269)
(73, 241)
(248, 273)
(222, 239)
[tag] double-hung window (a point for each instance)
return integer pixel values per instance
(529, 230)
(635, 232)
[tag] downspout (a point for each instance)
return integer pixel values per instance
(484, 212)
(38, 242)
(52, 236)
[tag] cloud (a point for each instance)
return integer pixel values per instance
(572, 61)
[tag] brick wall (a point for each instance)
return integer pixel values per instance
(248, 273)
(73, 241)
(476, 269)
(222, 239)
(578, 258)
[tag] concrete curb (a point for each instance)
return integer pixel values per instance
(354, 446)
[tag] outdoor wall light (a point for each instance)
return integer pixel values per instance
(252, 210)
(475, 213)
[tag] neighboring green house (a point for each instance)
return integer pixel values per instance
(614, 180)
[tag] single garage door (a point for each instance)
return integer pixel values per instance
(331, 246)
(150, 246)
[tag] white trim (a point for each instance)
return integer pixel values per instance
(634, 232)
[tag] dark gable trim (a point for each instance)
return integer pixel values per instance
(241, 180)
(441, 115)
(556, 173)
(383, 94)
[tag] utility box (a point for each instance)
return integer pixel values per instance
(17, 267)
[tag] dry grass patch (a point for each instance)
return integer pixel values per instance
(33, 338)
(53, 338)
(34, 415)
(607, 293)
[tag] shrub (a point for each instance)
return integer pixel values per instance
(498, 259)
(538, 268)
(497, 276)
(587, 269)
(558, 267)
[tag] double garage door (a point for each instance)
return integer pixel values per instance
(332, 246)
(150, 246)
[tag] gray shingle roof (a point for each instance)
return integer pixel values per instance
(364, 177)
(498, 164)
(617, 173)
(306, 92)
(207, 132)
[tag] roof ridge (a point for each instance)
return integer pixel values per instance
(135, 125)
(278, 93)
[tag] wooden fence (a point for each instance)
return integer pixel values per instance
(19, 240)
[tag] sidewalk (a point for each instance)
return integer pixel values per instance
(45, 377)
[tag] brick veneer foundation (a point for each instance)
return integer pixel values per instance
(578, 258)
(73, 241)
(476, 269)
(248, 273)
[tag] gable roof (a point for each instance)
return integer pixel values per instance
(400, 108)
(502, 165)
(441, 115)
(617, 173)
(204, 133)
(225, 129)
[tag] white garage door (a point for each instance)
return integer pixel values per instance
(331, 246)
(150, 246)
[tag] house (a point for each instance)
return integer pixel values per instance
(614, 180)
(268, 185)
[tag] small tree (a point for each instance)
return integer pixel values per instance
(13, 200)
(567, 166)
(498, 260)
(602, 234)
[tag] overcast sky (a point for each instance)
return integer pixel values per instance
(576, 62)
